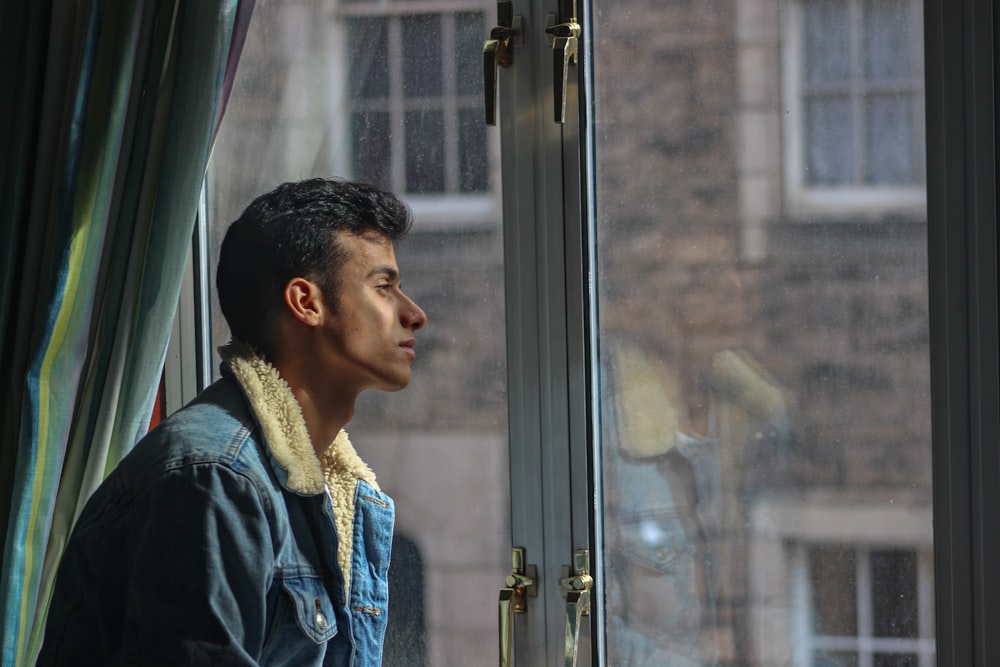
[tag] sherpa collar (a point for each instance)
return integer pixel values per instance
(284, 429)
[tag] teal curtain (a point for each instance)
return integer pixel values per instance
(113, 106)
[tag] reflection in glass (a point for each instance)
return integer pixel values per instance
(763, 365)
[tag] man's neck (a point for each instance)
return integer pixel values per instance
(324, 412)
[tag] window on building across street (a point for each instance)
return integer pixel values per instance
(415, 102)
(864, 606)
(853, 91)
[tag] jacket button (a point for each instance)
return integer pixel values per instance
(321, 620)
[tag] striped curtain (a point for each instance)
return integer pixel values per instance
(111, 110)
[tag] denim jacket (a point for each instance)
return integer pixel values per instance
(223, 539)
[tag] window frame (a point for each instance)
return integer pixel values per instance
(780, 526)
(864, 643)
(807, 202)
(452, 208)
(960, 62)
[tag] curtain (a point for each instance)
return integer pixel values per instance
(113, 108)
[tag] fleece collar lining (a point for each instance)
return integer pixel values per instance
(285, 434)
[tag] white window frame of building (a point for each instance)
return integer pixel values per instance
(452, 208)
(782, 530)
(807, 201)
(768, 48)
(865, 644)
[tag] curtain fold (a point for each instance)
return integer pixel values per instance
(129, 99)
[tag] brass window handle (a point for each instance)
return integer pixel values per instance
(520, 582)
(576, 584)
(565, 47)
(497, 53)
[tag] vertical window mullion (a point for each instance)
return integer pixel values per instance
(857, 72)
(397, 111)
(801, 597)
(864, 601)
(925, 605)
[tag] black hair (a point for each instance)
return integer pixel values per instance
(290, 232)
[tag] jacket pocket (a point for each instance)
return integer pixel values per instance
(312, 607)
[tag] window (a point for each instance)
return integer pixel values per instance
(841, 582)
(864, 606)
(854, 126)
(416, 107)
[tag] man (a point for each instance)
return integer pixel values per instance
(245, 530)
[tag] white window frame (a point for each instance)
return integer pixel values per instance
(781, 529)
(864, 644)
(431, 212)
(810, 202)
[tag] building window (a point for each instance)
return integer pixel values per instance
(864, 606)
(415, 97)
(854, 96)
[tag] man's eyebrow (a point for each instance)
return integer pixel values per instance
(386, 270)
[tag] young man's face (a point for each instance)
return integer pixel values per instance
(368, 337)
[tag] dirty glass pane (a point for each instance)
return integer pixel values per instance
(829, 129)
(833, 583)
(370, 137)
(368, 53)
(888, 40)
(894, 604)
(424, 132)
(471, 135)
(469, 31)
(827, 42)
(762, 367)
(422, 65)
(888, 154)
(320, 92)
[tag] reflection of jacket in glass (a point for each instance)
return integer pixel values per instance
(661, 606)
(216, 539)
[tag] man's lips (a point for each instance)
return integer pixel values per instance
(407, 346)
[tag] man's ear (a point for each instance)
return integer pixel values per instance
(304, 299)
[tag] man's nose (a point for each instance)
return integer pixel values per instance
(413, 315)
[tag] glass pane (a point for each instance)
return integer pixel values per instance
(834, 585)
(828, 139)
(439, 446)
(424, 151)
(371, 147)
(422, 75)
(896, 660)
(827, 42)
(473, 175)
(894, 599)
(888, 40)
(762, 373)
(890, 140)
(469, 31)
(368, 54)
